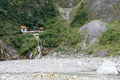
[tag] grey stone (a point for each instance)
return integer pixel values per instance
(104, 9)
(94, 28)
(8, 50)
(91, 31)
(102, 53)
(108, 67)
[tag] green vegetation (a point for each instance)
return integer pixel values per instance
(72, 36)
(117, 7)
(14, 13)
(112, 35)
(53, 35)
(58, 34)
(26, 12)
(22, 43)
(8, 27)
(81, 16)
(110, 40)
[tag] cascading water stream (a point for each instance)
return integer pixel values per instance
(38, 46)
(65, 12)
(71, 3)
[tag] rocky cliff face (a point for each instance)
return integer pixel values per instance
(7, 52)
(67, 3)
(109, 10)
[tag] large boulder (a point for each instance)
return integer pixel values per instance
(94, 28)
(107, 67)
(91, 31)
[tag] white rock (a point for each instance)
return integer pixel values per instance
(75, 76)
(108, 67)
(54, 54)
(79, 63)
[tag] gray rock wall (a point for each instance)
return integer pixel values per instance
(66, 3)
(7, 51)
(109, 10)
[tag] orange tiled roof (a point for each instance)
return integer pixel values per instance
(23, 27)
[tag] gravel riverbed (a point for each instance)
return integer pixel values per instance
(56, 69)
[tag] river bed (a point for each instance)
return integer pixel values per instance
(56, 69)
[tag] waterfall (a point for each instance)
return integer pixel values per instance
(36, 35)
(65, 12)
(71, 3)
